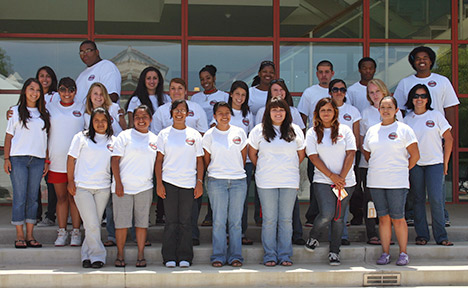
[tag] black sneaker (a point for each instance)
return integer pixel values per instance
(195, 242)
(311, 244)
(345, 242)
(334, 259)
(299, 242)
(86, 263)
(410, 222)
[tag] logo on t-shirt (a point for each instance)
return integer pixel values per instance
(213, 102)
(153, 145)
(347, 117)
(190, 113)
(432, 83)
(340, 136)
(110, 147)
(112, 119)
(76, 113)
(246, 121)
(236, 140)
(91, 77)
(392, 136)
(430, 123)
(190, 141)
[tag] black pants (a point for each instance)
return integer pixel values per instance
(371, 231)
(313, 209)
(177, 239)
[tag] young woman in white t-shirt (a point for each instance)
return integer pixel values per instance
(428, 174)
(66, 119)
(89, 181)
(132, 165)
(261, 82)
(25, 155)
(225, 148)
(331, 147)
(277, 149)
(149, 91)
(391, 149)
(98, 97)
(179, 175)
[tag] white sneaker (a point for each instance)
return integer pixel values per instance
(46, 222)
(184, 264)
(62, 236)
(170, 264)
(75, 239)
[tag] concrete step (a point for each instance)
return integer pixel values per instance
(352, 273)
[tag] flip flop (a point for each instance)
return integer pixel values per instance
(217, 264)
(421, 241)
(109, 243)
(374, 241)
(140, 263)
(20, 244)
(236, 263)
(33, 243)
(246, 241)
(270, 264)
(119, 263)
(445, 243)
(286, 263)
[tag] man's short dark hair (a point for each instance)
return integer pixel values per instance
(92, 43)
(325, 63)
(366, 59)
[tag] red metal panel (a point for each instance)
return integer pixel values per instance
(455, 149)
(184, 32)
(366, 27)
(91, 14)
(276, 36)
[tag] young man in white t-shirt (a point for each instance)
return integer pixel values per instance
(98, 70)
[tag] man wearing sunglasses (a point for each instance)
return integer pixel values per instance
(98, 70)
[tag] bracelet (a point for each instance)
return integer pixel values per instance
(201, 181)
(47, 161)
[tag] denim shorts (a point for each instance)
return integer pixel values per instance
(389, 201)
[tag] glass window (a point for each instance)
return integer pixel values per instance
(230, 18)
(462, 69)
(415, 19)
(463, 177)
(143, 17)
(393, 65)
(462, 120)
(47, 16)
(234, 61)
(298, 62)
(321, 19)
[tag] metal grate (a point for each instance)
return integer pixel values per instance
(382, 279)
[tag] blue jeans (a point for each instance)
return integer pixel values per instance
(327, 202)
(277, 208)
(227, 199)
(26, 175)
(429, 178)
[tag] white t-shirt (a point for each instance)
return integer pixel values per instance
(30, 141)
(429, 128)
(357, 96)
(53, 96)
(442, 93)
(225, 148)
(332, 155)
(278, 162)
(207, 101)
(180, 149)
(370, 117)
(388, 164)
(257, 99)
(135, 102)
(348, 115)
(296, 116)
(104, 72)
(246, 123)
(138, 154)
(309, 99)
(92, 166)
(65, 122)
(114, 113)
(196, 118)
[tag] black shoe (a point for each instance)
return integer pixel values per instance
(311, 244)
(299, 241)
(356, 221)
(345, 242)
(410, 222)
(195, 242)
(86, 263)
(160, 222)
(97, 265)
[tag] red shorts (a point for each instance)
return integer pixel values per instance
(57, 177)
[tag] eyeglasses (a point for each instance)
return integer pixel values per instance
(182, 111)
(65, 89)
(336, 89)
(276, 81)
(422, 96)
(83, 52)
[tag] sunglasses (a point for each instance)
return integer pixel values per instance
(276, 81)
(83, 52)
(65, 89)
(422, 96)
(336, 89)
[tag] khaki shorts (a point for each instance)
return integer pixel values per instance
(135, 206)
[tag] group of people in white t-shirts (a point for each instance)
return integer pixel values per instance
(78, 137)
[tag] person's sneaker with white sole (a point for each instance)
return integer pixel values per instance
(75, 239)
(384, 259)
(170, 264)
(184, 264)
(62, 236)
(46, 222)
(311, 244)
(334, 259)
(403, 260)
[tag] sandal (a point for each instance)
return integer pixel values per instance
(236, 263)
(270, 264)
(140, 263)
(147, 243)
(374, 241)
(286, 263)
(109, 243)
(33, 243)
(246, 241)
(421, 241)
(217, 264)
(20, 244)
(445, 243)
(119, 263)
